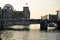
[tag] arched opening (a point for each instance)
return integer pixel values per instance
(34, 27)
(17, 26)
(52, 26)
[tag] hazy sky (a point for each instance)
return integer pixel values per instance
(37, 8)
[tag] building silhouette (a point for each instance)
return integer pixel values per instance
(9, 12)
(9, 17)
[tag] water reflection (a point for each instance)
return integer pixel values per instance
(29, 35)
(58, 35)
(6, 34)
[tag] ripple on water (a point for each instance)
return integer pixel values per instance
(29, 35)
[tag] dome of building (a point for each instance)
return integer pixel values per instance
(8, 6)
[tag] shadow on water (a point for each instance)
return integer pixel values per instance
(5, 34)
(14, 29)
(8, 34)
(0, 38)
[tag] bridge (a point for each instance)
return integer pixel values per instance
(26, 22)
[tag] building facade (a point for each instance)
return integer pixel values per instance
(9, 12)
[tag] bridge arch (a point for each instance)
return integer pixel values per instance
(52, 24)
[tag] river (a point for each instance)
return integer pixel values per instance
(29, 35)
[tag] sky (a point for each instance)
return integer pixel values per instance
(37, 8)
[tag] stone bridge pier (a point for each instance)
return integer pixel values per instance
(58, 25)
(26, 24)
(43, 25)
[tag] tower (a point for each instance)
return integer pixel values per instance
(26, 12)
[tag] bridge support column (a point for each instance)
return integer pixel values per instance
(26, 24)
(58, 25)
(43, 25)
(1, 24)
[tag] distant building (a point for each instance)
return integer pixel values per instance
(58, 14)
(8, 12)
(50, 17)
(45, 17)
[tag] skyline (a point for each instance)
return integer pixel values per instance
(37, 8)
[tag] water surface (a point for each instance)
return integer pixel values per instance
(29, 35)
